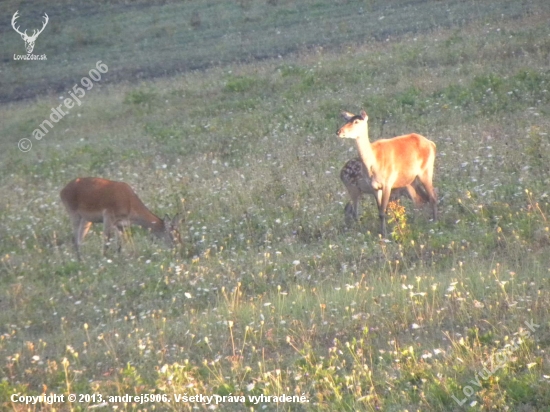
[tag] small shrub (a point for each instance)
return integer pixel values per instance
(239, 84)
(140, 97)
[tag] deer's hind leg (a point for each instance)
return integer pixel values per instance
(426, 180)
(80, 229)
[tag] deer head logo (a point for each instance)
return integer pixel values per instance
(29, 40)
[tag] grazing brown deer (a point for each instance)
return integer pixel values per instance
(356, 179)
(392, 163)
(94, 200)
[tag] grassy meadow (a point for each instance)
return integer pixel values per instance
(226, 112)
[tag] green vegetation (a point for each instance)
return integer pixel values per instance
(226, 112)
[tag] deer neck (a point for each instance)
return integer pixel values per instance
(366, 152)
(143, 217)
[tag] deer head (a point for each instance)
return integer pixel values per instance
(171, 229)
(29, 40)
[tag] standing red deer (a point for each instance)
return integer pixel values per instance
(392, 163)
(355, 177)
(94, 200)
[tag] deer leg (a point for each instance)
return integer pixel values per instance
(351, 208)
(349, 215)
(426, 181)
(422, 194)
(382, 200)
(107, 230)
(83, 230)
(415, 197)
(120, 235)
(80, 228)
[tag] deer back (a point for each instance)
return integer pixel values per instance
(402, 158)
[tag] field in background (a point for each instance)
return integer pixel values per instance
(144, 39)
(271, 293)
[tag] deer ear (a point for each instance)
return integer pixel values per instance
(176, 220)
(364, 115)
(346, 115)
